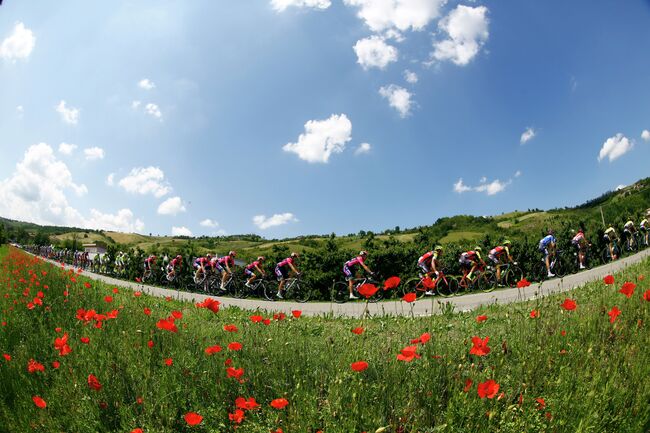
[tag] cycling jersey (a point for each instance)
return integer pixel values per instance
(253, 265)
(428, 257)
(226, 260)
(175, 262)
(544, 243)
(610, 232)
(629, 225)
(285, 262)
(201, 261)
(150, 259)
(644, 224)
(355, 261)
(499, 251)
(471, 256)
(578, 239)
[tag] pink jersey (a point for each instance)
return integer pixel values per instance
(497, 251)
(578, 238)
(355, 261)
(176, 262)
(253, 265)
(226, 260)
(285, 262)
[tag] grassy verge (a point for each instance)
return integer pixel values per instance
(560, 371)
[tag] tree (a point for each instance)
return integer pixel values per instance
(3, 237)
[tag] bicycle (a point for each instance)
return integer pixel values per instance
(631, 243)
(484, 280)
(292, 290)
(511, 274)
(231, 285)
(606, 255)
(341, 290)
(576, 259)
(257, 287)
(555, 266)
(443, 285)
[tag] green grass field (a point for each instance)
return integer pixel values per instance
(562, 371)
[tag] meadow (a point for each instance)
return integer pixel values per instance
(81, 356)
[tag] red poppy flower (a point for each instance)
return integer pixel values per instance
(177, 315)
(7, 357)
(646, 295)
(409, 297)
(267, 322)
(613, 314)
(108, 299)
(147, 311)
(468, 385)
(563, 333)
(640, 278)
(87, 285)
(213, 349)
(541, 404)
(488, 389)
(137, 294)
(228, 362)
(166, 325)
(56, 364)
(480, 347)
(235, 372)
(359, 366)
(481, 318)
(391, 283)
(39, 402)
(85, 340)
(428, 283)
(256, 319)
(296, 313)
(246, 404)
(360, 330)
(192, 418)
(169, 362)
(34, 366)
(230, 328)
(93, 383)
(210, 304)
(279, 316)
(523, 283)
(237, 417)
(367, 290)
(609, 279)
(137, 430)
(235, 346)
(424, 338)
(150, 344)
(408, 354)
(279, 403)
(534, 314)
(569, 304)
(628, 289)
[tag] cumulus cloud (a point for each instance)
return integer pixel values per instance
(171, 206)
(645, 135)
(322, 138)
(209, 223)
(398, 97)
(146, 84)
(135, 104)
(363, 148)
(374, 52)
(149, 180)
(93, 153)
(36, 192)
(66, 148)
(396, 14)
(281, 5)
(410, 77)
(68, 115)
(490, 188)
(615, 147)
(110, 179)
(527, 135)
(153, 110)
(19, 44)
(263, 222)
(181, 231)
(467, 31)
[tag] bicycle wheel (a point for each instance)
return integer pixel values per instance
(340, 292)
(412, 285)
(512, 276)
(379, 294)
(269, 292)
(447, 286)
(299, 292)
(487, 281)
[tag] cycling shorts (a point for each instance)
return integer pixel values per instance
(348, 273)
(425, 267)
(607, 239)
(249, 273)
(465, 262)
(219, 268)
(494, 259)
(281, 273)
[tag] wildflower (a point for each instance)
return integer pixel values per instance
(409, 297)
(147, 311)
(481, 318)
(212, 349)
(646, 295)
(480, 347)
(235, 346)
(169, 362)
(246, 404)
(85, 340)
(468, 385)
(296, 313)
(192, 418)
(613, 314)
(279, 403)
(34, 366)
(534, 314)
(256, 319)
(367, 290)
(93, 383)
(166, 325)
(488, 389)
(359, 366)
(360, 330)
(569, 304)
(609, 280)
(628, 289)
(230, 328)
(523, 283)
(210, 304)
(541, 404)
(39, 402)
(236, 373)
(237, 417)
(408, 354)
(391, 283)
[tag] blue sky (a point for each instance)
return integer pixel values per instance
(289, 117)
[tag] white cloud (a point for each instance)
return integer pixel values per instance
(181, 231)
(135, 104)
(171, 206)
(68, 115)
(373, 52)
(403, 15)
(398, 97)
(110, 179)
(363, 148)
(527, 135)
(620, 187)
(149, 180)
(146, 84)
(19, 44)
(322, 138)
(410, 77)
(467, 30)
(153, 110)
(36, 192)
(66, 148)
(518, 173)
(20, 109)
(645, 135)
(490, 188)
(93, 153)
(263, 222)
(615, 147)
(281, 5)
(209, 223)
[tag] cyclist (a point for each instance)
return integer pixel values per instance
(610, 237)
(500, 254)
(348, 269)
(171, 266)
(428, 263)
(547, 246)
(469, 261)
(120, 262)
(148, 263)
(629, 230)
(200, 263)
(282, 271)
(250, 269)
(581, 243)
(223, 265)
(644, 228)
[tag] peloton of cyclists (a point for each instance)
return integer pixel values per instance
(581, 244)
(547, 246)
(349, 269)
(500, 255)
(469, 261)
(171, 266)
(250, 269)
(148, 264)
(200, 264)
(282, 271)
(428, 263)
(224, 265)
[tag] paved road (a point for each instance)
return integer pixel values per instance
(424, 307)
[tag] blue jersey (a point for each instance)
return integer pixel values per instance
(546, 240)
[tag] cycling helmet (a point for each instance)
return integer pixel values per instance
(179, 257)
(477, 248)
(294, 255)
(260, 258)
(551, 232)
(437, 248)
(209, 256)
(363, 253)
(507, 242)
(232, 254)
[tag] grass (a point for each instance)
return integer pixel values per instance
(591, 374)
